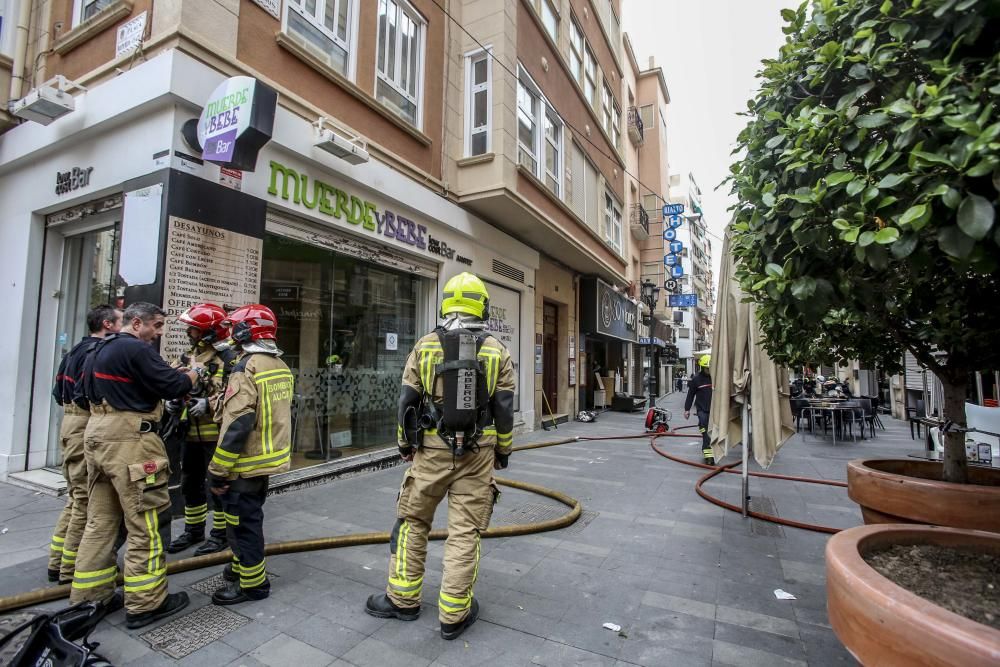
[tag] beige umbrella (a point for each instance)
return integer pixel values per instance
(750, 389)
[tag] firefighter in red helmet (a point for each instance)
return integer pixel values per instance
(255, 442)
(210, 349)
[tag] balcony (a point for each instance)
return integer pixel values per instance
(639, 222)
(635, 129)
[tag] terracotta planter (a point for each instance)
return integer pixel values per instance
(881, 623)
(910, 491)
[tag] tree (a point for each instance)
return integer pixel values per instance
(867, 191)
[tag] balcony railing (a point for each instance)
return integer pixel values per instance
(635, 129)
(639, 222)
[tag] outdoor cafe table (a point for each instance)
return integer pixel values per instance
(832, 407)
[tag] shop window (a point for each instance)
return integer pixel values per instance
(324, 25)
(613, 222)
(534, 113)
(346, 327)
(400, 59)
(479, 103)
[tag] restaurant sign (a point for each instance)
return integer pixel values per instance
(608, 312)
(237, 121)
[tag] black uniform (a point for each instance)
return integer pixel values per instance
(71, 370)
(700, 395)
(130, 375)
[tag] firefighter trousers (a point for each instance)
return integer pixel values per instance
(194, 486)
(73, 519)
(243, 508)
(127, 472)
(706, 447)
(468, 482)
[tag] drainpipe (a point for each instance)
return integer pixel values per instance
(20, 50)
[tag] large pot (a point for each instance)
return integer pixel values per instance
(911, 491)
(881, 623)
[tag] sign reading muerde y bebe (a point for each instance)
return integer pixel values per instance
(237, 121)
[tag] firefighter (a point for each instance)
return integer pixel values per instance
(255, 442)
(700, 395)
(455, 423)
(210, 349)
(101, 320)
(124, 381)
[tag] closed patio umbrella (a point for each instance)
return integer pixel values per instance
(745, 378)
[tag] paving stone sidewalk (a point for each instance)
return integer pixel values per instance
(689, 583)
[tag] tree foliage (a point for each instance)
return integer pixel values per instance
(868, 190)
(868, 193)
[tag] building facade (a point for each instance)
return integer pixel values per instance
(346, 223)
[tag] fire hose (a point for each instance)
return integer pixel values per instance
(51, 593)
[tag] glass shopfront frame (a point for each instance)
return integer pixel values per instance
(346, 325)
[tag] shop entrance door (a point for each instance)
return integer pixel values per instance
(89, 277)
(550, 358)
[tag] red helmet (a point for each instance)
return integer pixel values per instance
(252, 322)
(208, 318)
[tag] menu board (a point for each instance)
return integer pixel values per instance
(205, 264)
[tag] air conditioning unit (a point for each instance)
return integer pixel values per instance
(336, 143)
(46, 103)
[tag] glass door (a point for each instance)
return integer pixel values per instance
(89, 278)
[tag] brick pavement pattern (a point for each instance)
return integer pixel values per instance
(689, 583)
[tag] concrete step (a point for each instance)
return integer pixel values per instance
(555, 420)
(47, 480)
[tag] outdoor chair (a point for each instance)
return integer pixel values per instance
(800, 410)
(853, 414)
(868, 411)
(915, 414)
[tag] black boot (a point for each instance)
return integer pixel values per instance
(173, 604)
(53, 575)
(235, 594)
(450, 631)
(229, 575)
(380, 606)
(186, 539)
(212, 545)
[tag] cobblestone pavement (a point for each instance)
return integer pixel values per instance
(689, 583)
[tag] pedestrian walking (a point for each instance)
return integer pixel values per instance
(255, 442)
(455, 423)
(210, 349)
(101, 321)
(700, 395)
(124, 381)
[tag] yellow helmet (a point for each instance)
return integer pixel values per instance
(705, 360)
(466, 293)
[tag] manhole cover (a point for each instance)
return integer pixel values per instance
(764, 505)
(185, 635)
(215, 582)
(534, 513)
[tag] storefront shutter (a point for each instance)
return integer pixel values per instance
(914, 373)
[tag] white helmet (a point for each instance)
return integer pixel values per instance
(821, 378)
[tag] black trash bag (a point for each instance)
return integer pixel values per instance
(51, 639)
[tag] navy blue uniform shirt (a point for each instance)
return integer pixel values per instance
(71, 370)
(130, 375)
(699, 392)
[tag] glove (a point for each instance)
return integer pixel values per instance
(406, 451)
(173, 407)
(198, 407)
(501, 461)
(217, 485)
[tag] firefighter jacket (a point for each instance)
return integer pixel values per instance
(130, 375)
(699, 392)
(71, 370)
(205, 428)
(256, 430)
(418, 376)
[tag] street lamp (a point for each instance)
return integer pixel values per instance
(650, 295)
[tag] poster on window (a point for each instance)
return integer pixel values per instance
(505, 324)
(205, 264)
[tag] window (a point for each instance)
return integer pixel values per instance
(539, 135)
(8, 10)
(612, 116)
(646, 113)
(684, 333)
(590, 71)
(613, 222)
(576, 50)
(550, 19)
(400, 51)
(584, 199)
(479, 103)
(83, 10)
(325, 26)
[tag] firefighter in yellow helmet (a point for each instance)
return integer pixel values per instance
(455, 423)
(700, 394)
